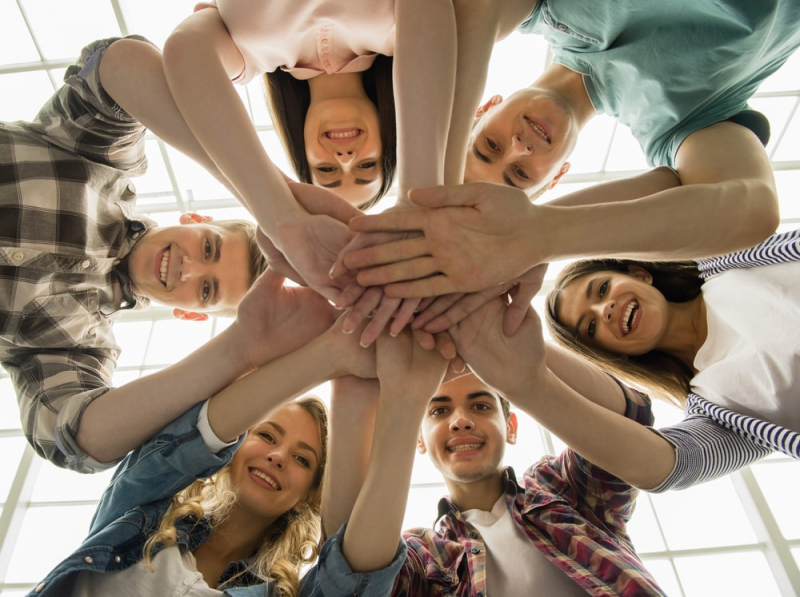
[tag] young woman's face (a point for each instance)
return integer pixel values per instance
(622, 313)
(276, 465)
(343, 147)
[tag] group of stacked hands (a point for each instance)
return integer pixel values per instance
(420, 315)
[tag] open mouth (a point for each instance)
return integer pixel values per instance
(630, 319)
(461, 447)
(343, 136)
(538, 129)
(265, 478)
(164, 266)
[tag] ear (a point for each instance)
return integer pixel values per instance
(511, 429)
(193, 218)
(641, 273)
(495, 100)
(564, 169)
(189, 315)
(421, 445)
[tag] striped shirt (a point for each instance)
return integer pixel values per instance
(713, 441)
(67, 223)
(572, 511)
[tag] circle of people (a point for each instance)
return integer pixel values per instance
(421, 314)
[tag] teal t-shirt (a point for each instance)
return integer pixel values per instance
(668, 69)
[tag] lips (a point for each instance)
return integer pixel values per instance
(162, 266)
(343, 136)
(540, 129)
(264, 479)
(629, 320)
(464, 444)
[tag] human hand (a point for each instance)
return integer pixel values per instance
(274, 319)
(480, 235)
(350, 358)
(377, 307)
(405, 367)
(509, 363)
(449, 309)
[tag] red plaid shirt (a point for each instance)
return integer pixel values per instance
(574, 512)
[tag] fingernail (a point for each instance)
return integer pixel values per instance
(330, 271)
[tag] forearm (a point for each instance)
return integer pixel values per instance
(124, 418)
(197, 63)
(687, 222)
(424, 82)
(351, 423)
(373, 532)
(607, 439)
(622, 189)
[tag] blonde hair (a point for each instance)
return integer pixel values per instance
(289, 543)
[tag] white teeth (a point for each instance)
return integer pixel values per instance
(538, 129)
(627, 318)
(164, 262)
(261, 475)
(343, 134)
(464, 447)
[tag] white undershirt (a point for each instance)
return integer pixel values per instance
(750, 362)
(514, 566)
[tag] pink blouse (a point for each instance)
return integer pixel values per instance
(307, 37)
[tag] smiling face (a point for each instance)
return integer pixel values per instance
(465, 432)
(276, 465)
(343, 147)
(194, 266)
(523, 141)
(622, 313)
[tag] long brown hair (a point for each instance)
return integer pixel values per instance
(288, 544)
(656, 372)
(289, 98)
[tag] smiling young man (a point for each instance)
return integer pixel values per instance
(73, 254)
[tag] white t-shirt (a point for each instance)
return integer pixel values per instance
(750, 362)
(514, 566)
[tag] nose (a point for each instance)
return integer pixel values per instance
(520, 146)
(461, 423)
(277, 459)
(605, 310)
(192, 269)
(345, 156)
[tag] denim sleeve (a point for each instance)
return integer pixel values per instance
(167, 463)
(332, 576)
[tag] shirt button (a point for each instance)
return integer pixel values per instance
(88, 560)
(19, 256)
(85, 263)
(562, 27)
(476, 550)
(91, 333)
(136, 235)
(39, 588)
(117, 559)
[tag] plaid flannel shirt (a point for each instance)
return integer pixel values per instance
(574, 512)
(66, 225)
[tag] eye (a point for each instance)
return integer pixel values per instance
(326, 169)
(208, 249)
(439, 410)
(492, 145)
(482, 406)
(206, 291)
(590, 329)
(267, 436)
(303, 461)
(602, 289)
(520, 172)
(368, 165)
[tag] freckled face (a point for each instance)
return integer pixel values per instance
(343, 147)
(464, 431)
(522, 141)
(275, 467)
(622, 313)
(197, 267)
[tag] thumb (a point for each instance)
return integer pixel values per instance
(444, 196)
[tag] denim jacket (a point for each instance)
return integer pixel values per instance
(140, 493)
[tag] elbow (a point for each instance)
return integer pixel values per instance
(767, 209)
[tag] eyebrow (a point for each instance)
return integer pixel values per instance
(485, 158)
(472, 396)
(338, 183)
(588, 296)
(302, 444)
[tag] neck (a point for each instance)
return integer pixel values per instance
(236, 537)
(476, 495)
(686, 330)
(327, 86)
(568, 86)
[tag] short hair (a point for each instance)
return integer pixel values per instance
(289, 98)
(659, 373)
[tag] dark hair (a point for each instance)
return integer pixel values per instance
(289, 98)
(657, 372)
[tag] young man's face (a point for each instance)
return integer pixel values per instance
(465, 432)
(194, 266)
(523, 141)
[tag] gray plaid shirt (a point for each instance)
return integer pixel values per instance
(67, 222)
